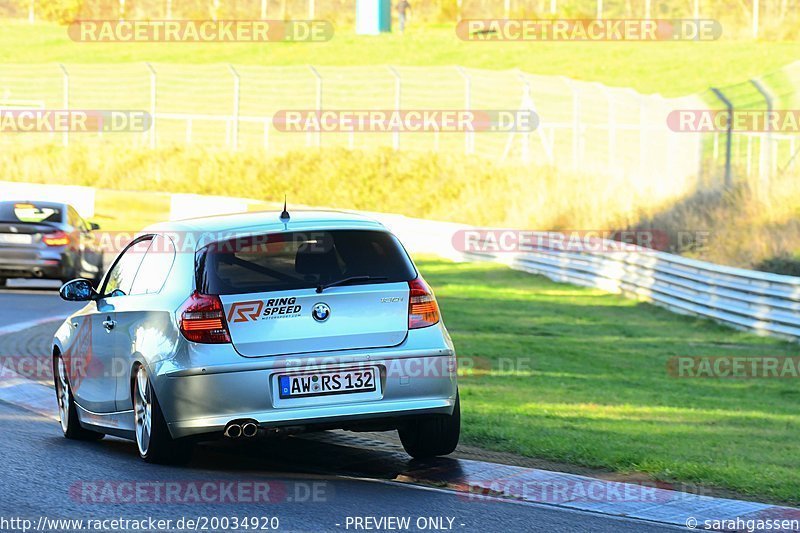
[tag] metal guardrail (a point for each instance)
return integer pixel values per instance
(756, 301)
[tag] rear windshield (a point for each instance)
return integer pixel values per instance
(300, 260)
(29, 212)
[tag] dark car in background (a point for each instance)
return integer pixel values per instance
(47, 240)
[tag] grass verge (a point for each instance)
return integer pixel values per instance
(670, 68)
(578, 376)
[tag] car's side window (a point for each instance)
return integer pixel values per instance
(155, 267)
(120, 279)
(73, 219)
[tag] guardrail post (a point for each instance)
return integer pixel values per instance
(319, 100)
(65, 101)
(237, 82)
(469, 136)
(398, 92)
(729, 132)
(153, 87)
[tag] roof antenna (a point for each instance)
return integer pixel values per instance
(285, 214)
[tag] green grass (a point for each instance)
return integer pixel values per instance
(593, 388)
(671, 68)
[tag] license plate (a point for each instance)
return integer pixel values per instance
(15, 238)
(327, 383)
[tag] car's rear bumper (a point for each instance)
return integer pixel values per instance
(416, 378)
(45, 264)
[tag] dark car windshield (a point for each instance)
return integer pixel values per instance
(30, 212)
(300, 260)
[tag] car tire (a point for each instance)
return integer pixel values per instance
(433, 435)
(153, 440)
(67, 411)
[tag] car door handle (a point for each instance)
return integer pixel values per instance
(109, 324)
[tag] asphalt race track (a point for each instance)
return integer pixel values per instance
(315, 483)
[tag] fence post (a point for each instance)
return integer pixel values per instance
(553, 7)
(469, 136)
(729, 133)
(319, 100)
(153, 87)
(599, 9)
(237, 82)
(612, 127)
(312, 10)
(526, 106)
(647, 9)
(263, 9)
(65, 101)
(696, 10)
(507, 9)
(169, 10)
(576, 123)
(31, 12)
(764, 143)
(121, 9)
(398, 92)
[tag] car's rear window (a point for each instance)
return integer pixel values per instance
(29, 212)
(298, 260)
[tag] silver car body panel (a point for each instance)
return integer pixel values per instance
(202, 387)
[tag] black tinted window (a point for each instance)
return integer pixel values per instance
(300, 260)
(30, 212)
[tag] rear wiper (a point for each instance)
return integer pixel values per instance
(322, 286)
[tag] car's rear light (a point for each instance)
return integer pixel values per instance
(202, 319)
(423, 311)
(57, 238)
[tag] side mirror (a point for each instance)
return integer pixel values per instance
(77, 290)
(94, 226)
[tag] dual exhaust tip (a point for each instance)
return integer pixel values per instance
(241, 428)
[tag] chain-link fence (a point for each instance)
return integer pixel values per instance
(583, 127)
(756, 155)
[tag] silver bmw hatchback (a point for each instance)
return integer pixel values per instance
(257, 324)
